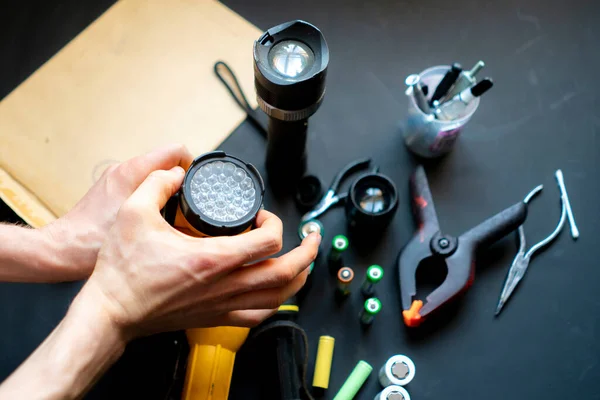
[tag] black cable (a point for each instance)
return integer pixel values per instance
(238, 95)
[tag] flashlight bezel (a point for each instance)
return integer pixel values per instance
(358, 216)
(280, 96)
(203, 223)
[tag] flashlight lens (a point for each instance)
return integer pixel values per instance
(291, 58)
(373, 200)
(222, 191)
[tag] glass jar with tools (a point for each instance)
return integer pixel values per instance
(432, 127)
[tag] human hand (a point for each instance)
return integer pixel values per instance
(149, 277)
(78, 235)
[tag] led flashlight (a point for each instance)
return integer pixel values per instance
(220, 196)
(290, 65)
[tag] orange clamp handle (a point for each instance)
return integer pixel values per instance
(412, 318)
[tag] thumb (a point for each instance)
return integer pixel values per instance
(157, 188)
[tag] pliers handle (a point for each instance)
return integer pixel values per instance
(458, 254)
(332, 197)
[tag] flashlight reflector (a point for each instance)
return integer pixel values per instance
(371, 204)
(373, 200)
(291, 58)
(222, 191)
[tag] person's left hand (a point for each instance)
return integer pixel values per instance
(79, 234)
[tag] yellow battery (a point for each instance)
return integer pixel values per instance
(323, 363)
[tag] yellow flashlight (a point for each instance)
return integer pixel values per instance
(220, 196)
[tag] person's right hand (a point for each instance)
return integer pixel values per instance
(151, 278)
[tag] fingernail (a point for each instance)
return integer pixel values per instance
(178, 169)
(316, 237)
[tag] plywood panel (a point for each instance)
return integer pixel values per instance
(138, 77)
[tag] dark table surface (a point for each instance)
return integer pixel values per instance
(540, 116)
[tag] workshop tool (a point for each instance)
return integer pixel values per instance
(290, 66)
(521, 262)
(371, 308)
(446, 83)
(456, 107)
(563, 189)
(331, 197)
(220, 196)
(344, 278)
(398, 370)
(307, 227)
(339, 245)
(370, 207)
(354, 382)
(323, 362)
(373, 276)
(464, 80)
(393, 392)
(458, 254)
(416, 91)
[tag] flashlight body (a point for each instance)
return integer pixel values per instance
(290, 67)
(212, 350)
(286, 150)
(211, 360)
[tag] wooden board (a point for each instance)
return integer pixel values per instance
(138, 77)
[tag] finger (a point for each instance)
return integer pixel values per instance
(165, 157)
(271, 273)
(262, 217)
(264, 241)
(266, 298)
(134, 171)
(243, 318)
(156, 189)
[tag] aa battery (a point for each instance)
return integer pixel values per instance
(373, 276)
(394, 392)
(398, 370)
(323, 362)
(339, 244)
(354, 382)
(370, 309)
(345, 276)
(308, 227)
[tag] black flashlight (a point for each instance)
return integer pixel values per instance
(290, 65)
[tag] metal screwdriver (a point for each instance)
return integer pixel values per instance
(464, 80)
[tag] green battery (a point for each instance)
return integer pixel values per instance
(354, 382)
(370, 309)
(339, 244)
(373, 276)
(307, 227)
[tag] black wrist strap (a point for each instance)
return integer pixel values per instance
(228, 78)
